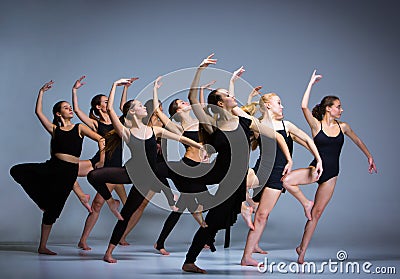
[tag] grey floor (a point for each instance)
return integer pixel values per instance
(140, 260)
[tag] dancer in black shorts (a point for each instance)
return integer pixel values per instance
(328, 135)
(49, 184)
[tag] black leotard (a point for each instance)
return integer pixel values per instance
(116, 158)
(67, 142)
(329, 149)
(274, 179)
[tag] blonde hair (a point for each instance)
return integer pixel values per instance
(250, 109)
(266, 99)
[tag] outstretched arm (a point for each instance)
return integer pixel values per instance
(311, 120)
(266, 131)
(171, 126)
(125, 94)
(91, 123)
(121, 130)
(47, 124)
(302, 138)
(206, 120)
(349, 132)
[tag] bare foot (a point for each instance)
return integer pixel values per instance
(45, 251)
(301, 254)
(123, 242)
(248, 262)
(84, 246)
(198, 216)
(114, 204)
(85, 202)
(162, 250)
(206, 246)
(109, 259)
(246, 212)
(191, 267)
(257, 249)
(307, 209)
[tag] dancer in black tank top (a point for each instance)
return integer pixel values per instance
(140, 170)
(49, 184)
(328, 136)
(230, 136)
(99, 121)
(271, 179)
(193, 196)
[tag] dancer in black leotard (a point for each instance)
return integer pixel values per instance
(141, 169)
(229, 135)
(99, 121)
(268, 195)
(189, 127)
(49, 184)
(328, 136)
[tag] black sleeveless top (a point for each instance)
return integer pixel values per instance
(329, 149)
(116, 157)
(66, 142)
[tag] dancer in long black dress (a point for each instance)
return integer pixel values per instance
(230, 136)
(49, 184)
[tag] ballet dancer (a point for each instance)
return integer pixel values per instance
(328, 133)
(272, 109)
(140, 169)
(49, 184)
(229, 133)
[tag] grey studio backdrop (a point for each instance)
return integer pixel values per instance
(354, 44)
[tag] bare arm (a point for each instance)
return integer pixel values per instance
(201, 96)
(91, 123)
(121, 130)
(161, 132)
(87, 132)
(235, 76)
(205, 120)
(47, 124)
(311, 120)
(266, 131)
(171, 126)
(350, 133)
(125, 94)
(253, 93)
(303, 139)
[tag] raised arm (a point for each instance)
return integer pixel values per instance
(311, 120)
(302, 138)
(253, 93)
(206, 120)
(235, 76)
(47, 124)
(121, 130)
(171, 126)
(91, 123)
(202, 87)
(125, 94)
(352, 135)
(266, 131)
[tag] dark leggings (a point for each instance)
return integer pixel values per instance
(99, 177)
(47, 184)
